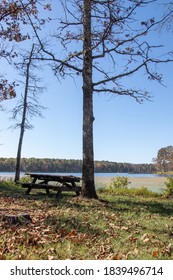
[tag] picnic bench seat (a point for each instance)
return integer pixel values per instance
(61, 183)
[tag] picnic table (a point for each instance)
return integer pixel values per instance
(53, 182)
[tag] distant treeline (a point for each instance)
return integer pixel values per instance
(72, 166)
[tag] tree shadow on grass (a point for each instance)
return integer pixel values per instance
(13, 190)
(64, 225)
(117, 203)
(155, 206)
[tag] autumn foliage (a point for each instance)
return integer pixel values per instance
(6, 90)
(17, 19)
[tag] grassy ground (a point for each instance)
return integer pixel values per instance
(115, 227)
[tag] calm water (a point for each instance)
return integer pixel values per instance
(152, 185)
(11, 174)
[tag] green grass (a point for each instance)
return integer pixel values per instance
(117, 226)
(141, 191)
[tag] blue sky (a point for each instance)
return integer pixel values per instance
(124, 131)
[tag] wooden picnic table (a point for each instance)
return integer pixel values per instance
(53, 182)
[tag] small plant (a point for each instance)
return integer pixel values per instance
(25, 179)
(119, 182)
(169, 187)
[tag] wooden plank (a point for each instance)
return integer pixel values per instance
(51, 177)
(67, 189)
(51, 187)
(36, 186)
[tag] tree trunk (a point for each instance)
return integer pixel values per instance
(18, 159)
(22, 126)
(88, 185)
(17, 219)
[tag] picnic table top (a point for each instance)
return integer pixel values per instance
(54, 177)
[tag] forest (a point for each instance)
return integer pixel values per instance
(72, 165)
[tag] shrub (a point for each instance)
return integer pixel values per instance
(119, 183)
(169, 187)
(119, 186)
(25, 179)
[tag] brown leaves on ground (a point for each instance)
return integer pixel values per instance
(75, 228)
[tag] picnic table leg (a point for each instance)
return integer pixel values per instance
(74, 186)
(47, 191)
(78, 193)
(46, 186)
(30, 187)
(28, 190)
(58, 194)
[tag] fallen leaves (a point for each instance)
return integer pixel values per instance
(79, 228)
(145, 238)
(163, 251)
(124, 228)
(155, 253)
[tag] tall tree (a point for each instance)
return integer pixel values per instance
(88, 189)
(104, 42)
(28, 106)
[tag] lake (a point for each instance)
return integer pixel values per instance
(153, 182)
(11, 174)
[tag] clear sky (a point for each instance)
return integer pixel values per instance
(124, 131)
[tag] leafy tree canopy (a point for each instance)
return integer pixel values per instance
(16, 20)
(164, 159)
